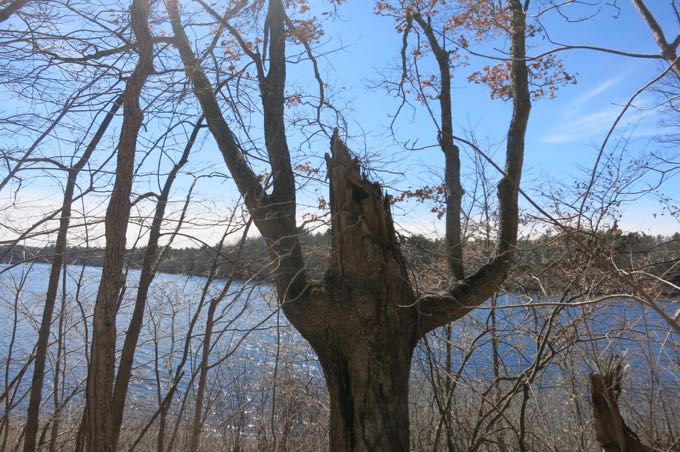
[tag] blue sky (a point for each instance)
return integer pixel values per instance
(563, 138)
(564, 133)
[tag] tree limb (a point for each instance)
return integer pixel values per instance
(462, 297)
(10, 9)
(454, 189)
(274, 215)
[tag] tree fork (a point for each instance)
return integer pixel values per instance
(363, 320)
(363, 326)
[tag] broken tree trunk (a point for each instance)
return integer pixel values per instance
(611, 430)
(363, 325)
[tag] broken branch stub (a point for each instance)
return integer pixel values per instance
(364, 240)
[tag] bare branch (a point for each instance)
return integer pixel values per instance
(476, 288)
(10, 9)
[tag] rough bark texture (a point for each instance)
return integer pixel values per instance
(611, 430)
(100, 381)
(364, 324)
(33, 413)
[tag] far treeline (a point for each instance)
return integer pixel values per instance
(655, 255)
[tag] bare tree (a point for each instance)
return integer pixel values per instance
(364, 319)
(100, 384)
(32, 417)
(366, 315)
(152, 257)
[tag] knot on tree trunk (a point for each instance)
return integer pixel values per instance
(364, 241)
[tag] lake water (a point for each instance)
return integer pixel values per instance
(247, 329)
(250, 334)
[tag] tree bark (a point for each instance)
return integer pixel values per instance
(100, 378)
(11, 9)
(368, 387)
(360, 320)
(611, 430)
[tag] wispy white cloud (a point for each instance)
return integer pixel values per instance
(578, 121)
(573, 127)
(574, 124)
(591, 94)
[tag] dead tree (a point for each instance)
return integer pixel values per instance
(611, 430)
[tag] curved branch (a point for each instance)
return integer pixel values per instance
(454, 189)
(274, 215)
(437, 310)
(611, 131)
(245, 178)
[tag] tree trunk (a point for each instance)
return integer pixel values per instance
(367, 377)
(152, 257)
(100, 378)
(33, 414)
(611, 430)
(197, 422)
(361, 320)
